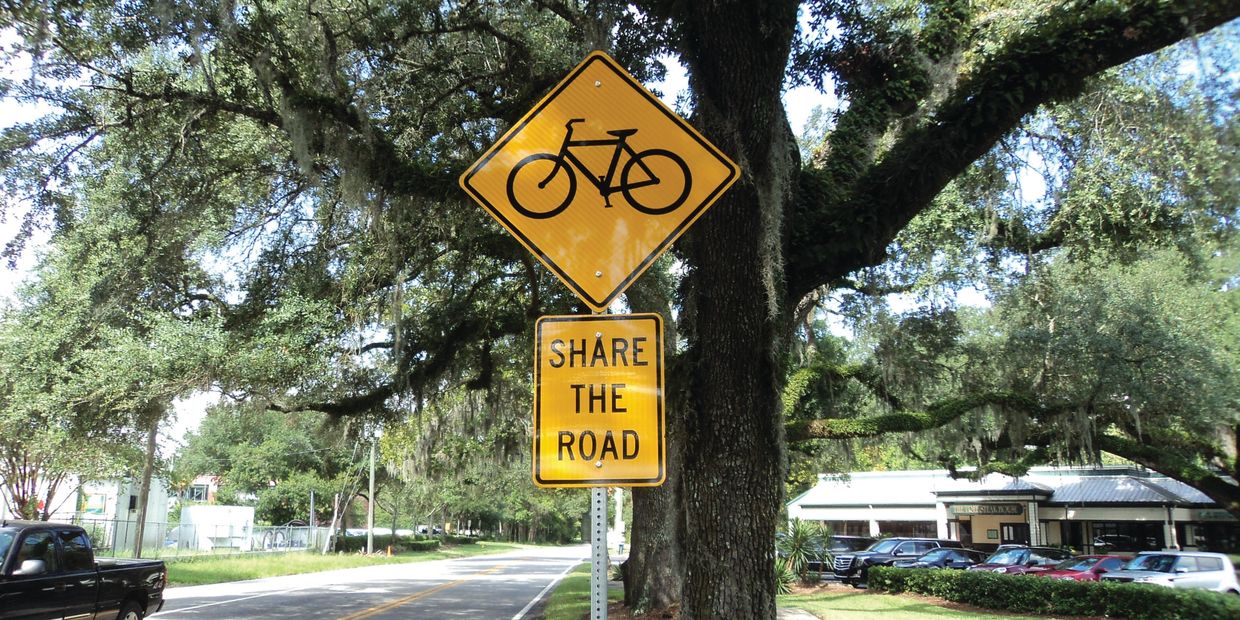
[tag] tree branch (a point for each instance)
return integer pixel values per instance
(935, 416)
(1047, 63)
(1166, 459)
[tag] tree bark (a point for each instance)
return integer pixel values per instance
(734, 314)
(653, 572)
(144, 494)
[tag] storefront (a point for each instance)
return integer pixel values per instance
(1086, 509)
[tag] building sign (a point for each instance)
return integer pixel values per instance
(598, 179)
(598, 401)
(987, 509)
(1214, 515)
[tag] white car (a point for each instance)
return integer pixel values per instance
(1179, 569)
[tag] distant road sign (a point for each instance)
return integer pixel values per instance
(599, 179)
(598, 401)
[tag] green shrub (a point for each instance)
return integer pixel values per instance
(352, 544)
(801, 543)
(451, 539)
(1029, 594)
(420, 545)
(784, 577)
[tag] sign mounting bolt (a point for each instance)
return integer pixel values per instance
(598, 464)
(597, 83)
(598, 274)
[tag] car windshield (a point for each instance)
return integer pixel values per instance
(1153, 562)
(884, 546)
(1077, 564)
(6, 540)
(849, 544)
(1007, 557)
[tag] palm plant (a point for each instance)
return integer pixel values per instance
(800, 544)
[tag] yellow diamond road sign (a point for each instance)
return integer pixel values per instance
(599, 179)
(598, 401)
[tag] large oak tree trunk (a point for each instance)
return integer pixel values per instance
(734, 312)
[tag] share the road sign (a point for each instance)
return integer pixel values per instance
(598, 401)
(599, 179)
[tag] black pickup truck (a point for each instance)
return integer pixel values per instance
(49, 570)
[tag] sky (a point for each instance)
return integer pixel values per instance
(11, 114)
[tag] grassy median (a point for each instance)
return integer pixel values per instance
(840, 603)
(571, 598)
(202, 570)
(571, 601)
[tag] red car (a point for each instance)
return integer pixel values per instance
(1081, 568)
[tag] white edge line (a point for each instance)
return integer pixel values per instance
(235, 600)
(531, 604)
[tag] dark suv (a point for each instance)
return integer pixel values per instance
(852, 568)
(839, 544)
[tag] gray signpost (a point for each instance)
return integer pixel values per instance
(598, 553)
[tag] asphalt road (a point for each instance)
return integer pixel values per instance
(506, 586)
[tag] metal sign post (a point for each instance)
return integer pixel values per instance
(598, 553)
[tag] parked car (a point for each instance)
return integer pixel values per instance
(1081, 568)
(853, 568)
(839, 544)
(944, 557)
(1179, 569)
(49, 570)
(1017, 560)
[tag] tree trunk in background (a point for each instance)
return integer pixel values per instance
(735, 314)
(653, 573)
(144, 494)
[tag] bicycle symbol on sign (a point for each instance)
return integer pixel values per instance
(653, 167)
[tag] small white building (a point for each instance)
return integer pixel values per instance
(1086, 509)
(213, 528)
(108, 510)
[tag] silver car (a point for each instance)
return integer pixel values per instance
(1180, 569)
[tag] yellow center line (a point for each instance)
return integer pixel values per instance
(390, 605)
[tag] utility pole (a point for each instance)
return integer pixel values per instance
(370, 504)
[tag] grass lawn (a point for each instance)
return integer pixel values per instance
(571, 601)
(841, 603)
(571, 598)
(204, 569)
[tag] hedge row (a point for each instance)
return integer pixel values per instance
(1029, 594)
(451, 539)
(350, 544)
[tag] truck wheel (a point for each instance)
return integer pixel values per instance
(131, 610)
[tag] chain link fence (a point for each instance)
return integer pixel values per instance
(116, 538)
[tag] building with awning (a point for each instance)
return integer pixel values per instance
(1088, 509)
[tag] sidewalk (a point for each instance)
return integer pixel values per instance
(792, 613)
